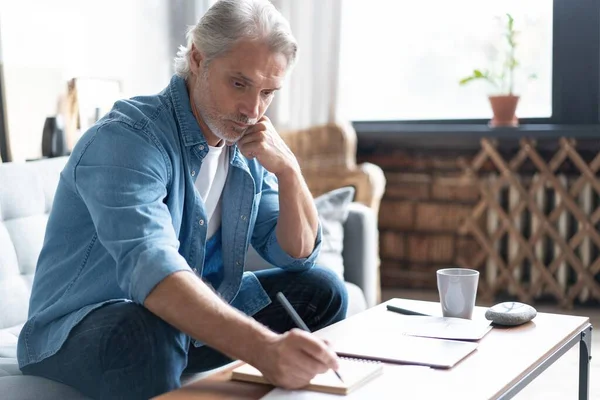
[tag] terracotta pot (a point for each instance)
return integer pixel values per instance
(504, 108)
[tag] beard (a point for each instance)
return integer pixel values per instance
(221, 125)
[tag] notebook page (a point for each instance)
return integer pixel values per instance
(352, 371)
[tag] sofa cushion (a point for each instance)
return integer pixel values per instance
(33, 388)
(356, 300)
(15, 292)
(23, 194)
(8, 341)
(333, 212)
(9, 265)
(27, 234)
(9, 367)
(26, 196)
(8, 351)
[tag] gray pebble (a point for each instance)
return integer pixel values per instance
(510, 313)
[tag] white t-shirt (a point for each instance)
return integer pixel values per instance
(210, 183)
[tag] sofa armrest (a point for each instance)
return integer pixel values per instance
(361, 251)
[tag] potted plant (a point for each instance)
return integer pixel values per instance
(504, 103)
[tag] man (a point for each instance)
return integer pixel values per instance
(157, 206)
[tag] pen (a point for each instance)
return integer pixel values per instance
(296, 318)
(405, 311)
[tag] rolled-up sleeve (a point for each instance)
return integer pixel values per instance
(264, 238)
(122, 176)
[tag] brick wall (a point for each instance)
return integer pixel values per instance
(426, 201)
(421, 211)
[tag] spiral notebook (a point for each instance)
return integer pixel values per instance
(394, 347)
(354, 372)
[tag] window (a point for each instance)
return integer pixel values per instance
(117, 40)
(402, 60)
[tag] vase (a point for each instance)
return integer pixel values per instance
(504, 108)
(53, 138)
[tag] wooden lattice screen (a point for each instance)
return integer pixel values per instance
(543, 259)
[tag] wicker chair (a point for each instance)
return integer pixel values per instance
(327, 156)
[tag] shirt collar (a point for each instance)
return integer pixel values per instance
(188, 125)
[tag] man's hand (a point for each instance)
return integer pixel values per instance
(289, 360)
(298, 220)
(292, 359)
(261, 141)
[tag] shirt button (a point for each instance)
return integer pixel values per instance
(238, 263)
(201, 222)
(244, 218)
(193, 173)
(201, 147)
(195, 270)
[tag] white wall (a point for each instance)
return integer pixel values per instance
(46, 42)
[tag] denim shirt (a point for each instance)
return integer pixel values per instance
(126, 214)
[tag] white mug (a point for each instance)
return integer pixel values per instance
(458, 290)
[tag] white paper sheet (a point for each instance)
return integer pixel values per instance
(406, 376)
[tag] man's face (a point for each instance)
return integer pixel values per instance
(235, 90)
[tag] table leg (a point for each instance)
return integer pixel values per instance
(585, 355)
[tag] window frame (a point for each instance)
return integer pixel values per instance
(575, 73)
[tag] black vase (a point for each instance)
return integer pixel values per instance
(54, 143)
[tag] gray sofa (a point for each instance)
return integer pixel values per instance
(26, 195)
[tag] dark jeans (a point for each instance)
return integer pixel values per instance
(123, 351)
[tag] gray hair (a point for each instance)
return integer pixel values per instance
(229, 21)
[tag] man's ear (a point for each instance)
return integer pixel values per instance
(196, 58)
